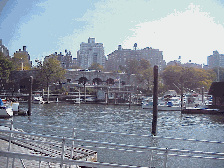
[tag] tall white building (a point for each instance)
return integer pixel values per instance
(90, 53)
(215, 60)
(3, 49)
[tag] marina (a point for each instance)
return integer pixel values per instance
(123, 120)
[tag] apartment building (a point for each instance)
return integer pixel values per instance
(3, 49)
(90, 53)
(121, 56)
(215, 60)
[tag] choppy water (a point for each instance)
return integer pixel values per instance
(134, 120)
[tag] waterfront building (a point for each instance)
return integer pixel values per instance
(65, 60)
(24, 52)
(187, 65)
(90, 53)
(120, 57)
(215, 60)
(3, 49)
(175, 62)
(192, 65)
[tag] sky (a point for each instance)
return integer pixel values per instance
(192, 29)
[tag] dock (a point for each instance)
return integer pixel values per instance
(192, 110)
(47, 147)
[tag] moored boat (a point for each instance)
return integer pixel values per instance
(38, 100)
(174, 104)
(5, 110)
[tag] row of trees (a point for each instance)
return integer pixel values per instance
(190, 78)
(49, 72)
(172, 77)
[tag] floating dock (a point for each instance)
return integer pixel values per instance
(192, 110)
(48, 147)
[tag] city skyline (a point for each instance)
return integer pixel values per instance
(190, 30)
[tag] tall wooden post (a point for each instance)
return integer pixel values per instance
(107, 95)
(115, 97)
(155, 100)
(202, 94)
(43, 93)
(48, 94)
(181, 92)
(30, 96)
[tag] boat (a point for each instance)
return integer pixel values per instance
(38, 100)
(174, 104)
(147, 103)
(5, 110)
(169, 94)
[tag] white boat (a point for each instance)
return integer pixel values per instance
(38, 100)
(5, 109)
(174, 104)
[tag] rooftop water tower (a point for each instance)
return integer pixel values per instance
(135, 46)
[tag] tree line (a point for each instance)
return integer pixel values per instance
(171, 78)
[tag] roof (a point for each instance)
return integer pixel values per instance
(217, 89)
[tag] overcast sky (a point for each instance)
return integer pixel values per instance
(192, 29)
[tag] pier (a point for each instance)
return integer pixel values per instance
(192, 110)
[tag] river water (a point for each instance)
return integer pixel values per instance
(131, 120)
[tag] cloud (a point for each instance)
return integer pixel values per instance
(192, 34)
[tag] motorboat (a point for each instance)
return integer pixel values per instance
(174, 104)
(38, 100)
(147, 103)
(5, 110)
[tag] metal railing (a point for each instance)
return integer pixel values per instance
(166, 152)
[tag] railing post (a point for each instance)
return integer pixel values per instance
(10, 136)
(73, 143)
(13, 161)
(165, 158)
(40, 162)
(150, 160)
(62, 152)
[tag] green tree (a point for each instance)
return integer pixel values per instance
(132, 66)
(75, 67)
(144, 64)
(171, 77)
(20, 60)
(50, 72)
(145, 77)
(190, 78)
(5, 67)
(143, 71)
(96, 66)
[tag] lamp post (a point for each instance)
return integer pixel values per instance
(22, 63)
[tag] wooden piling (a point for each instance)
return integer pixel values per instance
(202, 94)
(181, 92)
(155, 100)
(30, 96)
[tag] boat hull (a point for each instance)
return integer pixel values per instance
(162, 108)
(6, 112)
